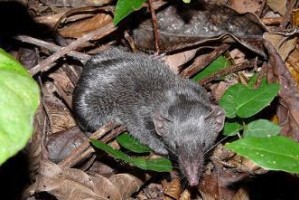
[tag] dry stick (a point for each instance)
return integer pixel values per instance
(50, 46)
(272, 21)
(46, 64)
(155, 28)
(198, 64)
(226, 71)
(77, 157)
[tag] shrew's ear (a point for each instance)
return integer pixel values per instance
(161, 123)
(218, 116)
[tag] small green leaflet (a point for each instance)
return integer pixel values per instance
(240, 100)
(231, 128)
(19, 99)
(124, 8)
(159, 164)
(132, 144)
(261, 128)
(220, 63)
(272, 153)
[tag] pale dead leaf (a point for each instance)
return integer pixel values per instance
(178, 59)
(243, 6)
(73, 184)
(78, 29)
(127, 184)
(282, 44)
(279, 6)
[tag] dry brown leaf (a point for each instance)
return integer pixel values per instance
(293, 64)
(295, 18)
(59, 116)
(73, 184)
(78, 29)
(243, 6)
(178, 59)
(49, 20)
(282, 44)
(127, 184)
(289, 98)
(279, 6)
(172, 189)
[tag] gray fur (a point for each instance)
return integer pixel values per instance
(170, 114)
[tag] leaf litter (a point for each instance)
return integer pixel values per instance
(256, 36)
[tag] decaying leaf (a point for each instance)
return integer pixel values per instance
(288, 110)
(75, 184)
(189, 26)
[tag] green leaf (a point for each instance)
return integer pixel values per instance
(19, 99)
(124, 7)
(272, 153)
(132, 144)
(159, 164)
(239, 100)
(186, 1)
(220, 63)
(231, 128)
(261, 128)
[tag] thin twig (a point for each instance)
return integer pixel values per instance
(226, 71)
(46, 64)
(52, 47)
(155, 27)
(201, 63)
(77, 155)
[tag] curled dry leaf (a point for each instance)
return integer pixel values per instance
(288, 110)
(59, 115)
(78, 29)
(61, 144)
(216, 185)
(73, 184)
(283, 45)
